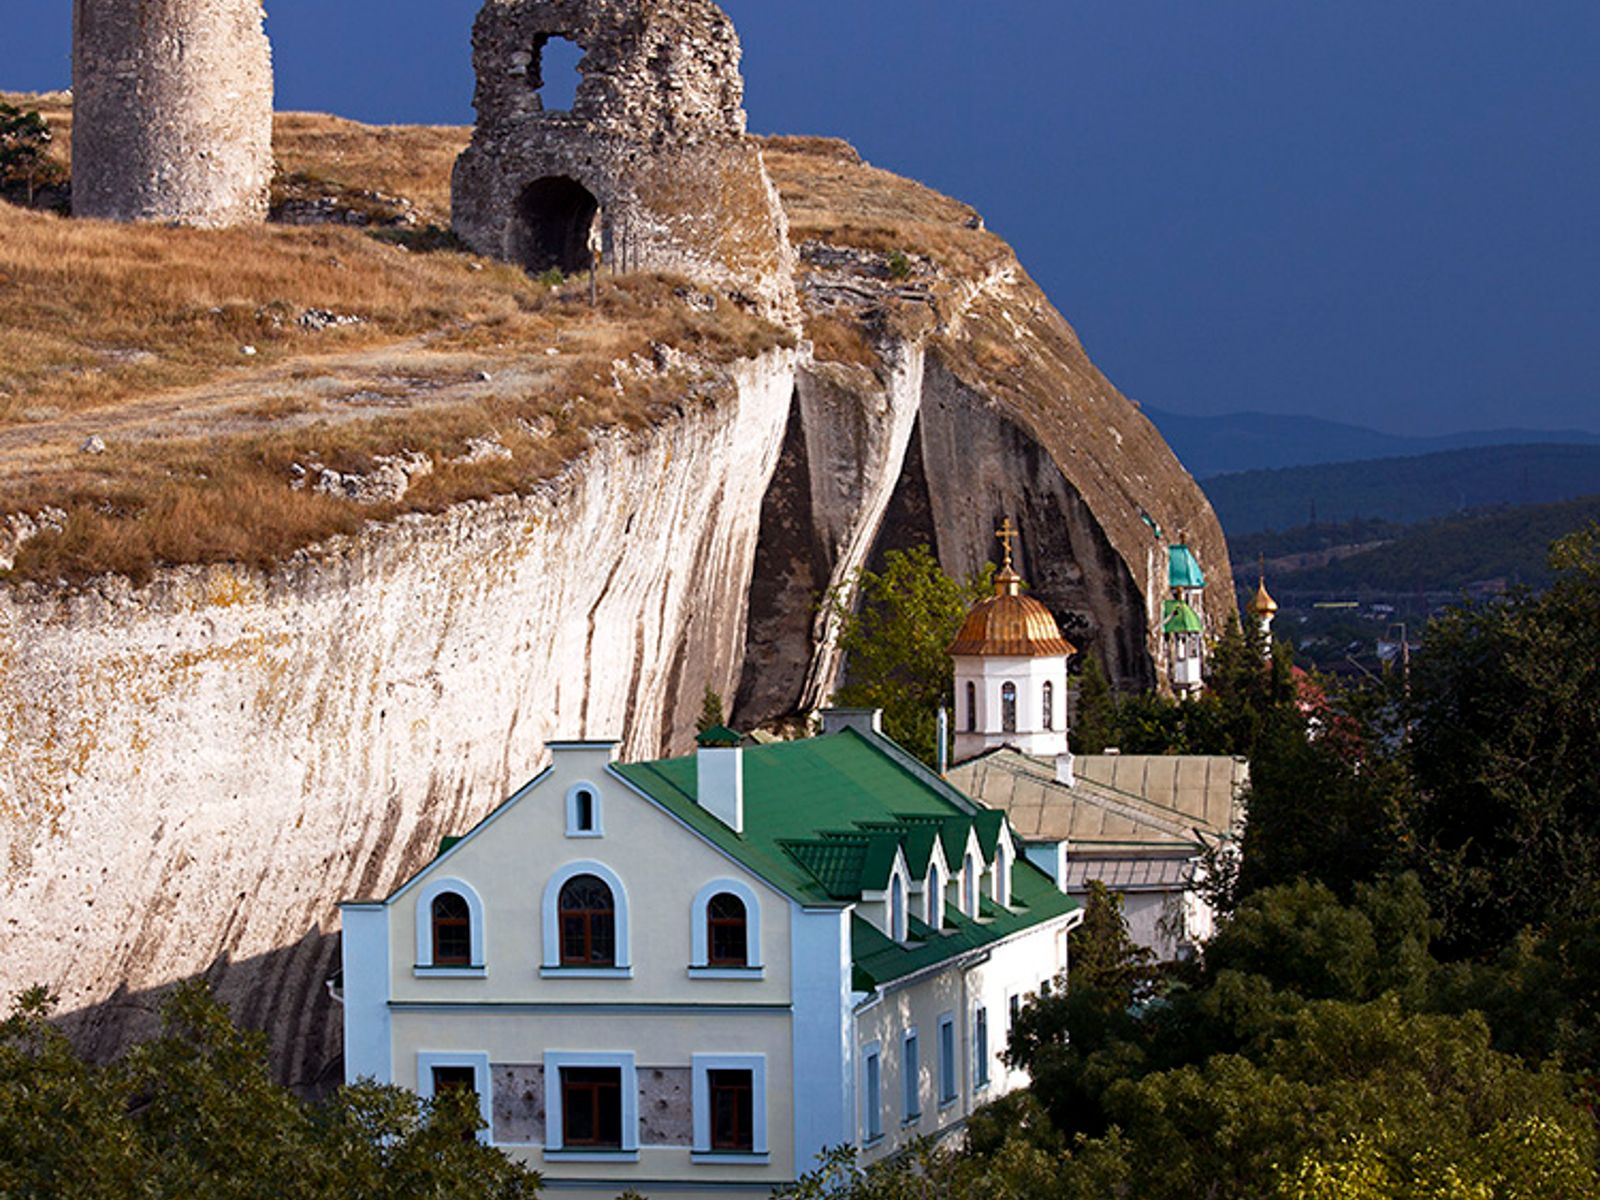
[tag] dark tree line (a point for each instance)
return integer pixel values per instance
(1402, 1001)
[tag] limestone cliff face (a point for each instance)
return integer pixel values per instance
(196, 773)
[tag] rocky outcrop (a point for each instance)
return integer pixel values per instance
(194, 772)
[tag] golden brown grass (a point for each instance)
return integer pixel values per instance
(839, 341)
(203, 476)
(138, 334)
(412, 161)
(831, 196)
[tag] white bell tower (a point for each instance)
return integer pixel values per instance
(1011, 671)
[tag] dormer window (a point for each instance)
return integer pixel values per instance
(969, 885)
(935, 897)
(1002, 874)
(897, 908)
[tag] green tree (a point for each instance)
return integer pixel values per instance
(710, 711)
(63, 1130)
(896, 643)
(1504, 738)
(193, 1112)
(1103, 955)
(1094, 725)
(25, 150)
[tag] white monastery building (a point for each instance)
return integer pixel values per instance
(1144, 826)
(690, 977)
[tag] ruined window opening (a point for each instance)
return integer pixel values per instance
(556, 75)
(559, 226)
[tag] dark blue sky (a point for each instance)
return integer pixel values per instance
(1382, 211)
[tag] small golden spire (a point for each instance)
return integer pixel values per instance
(1006, 580)
(1263, 604)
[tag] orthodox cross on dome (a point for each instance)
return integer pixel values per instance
(1006, 580)
(1006, 533)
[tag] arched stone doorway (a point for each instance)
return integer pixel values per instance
(557, 226)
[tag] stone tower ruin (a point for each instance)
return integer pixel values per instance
(651, 168)
(172, 111)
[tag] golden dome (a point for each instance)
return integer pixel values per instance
(1009, 623)
(1263, 605)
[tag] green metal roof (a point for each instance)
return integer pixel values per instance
(823, 821)
(1183, 569)
(1178, 617)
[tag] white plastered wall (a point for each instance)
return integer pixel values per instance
(1017, 967)
(989, 675)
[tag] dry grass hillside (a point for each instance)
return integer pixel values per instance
(216, 366)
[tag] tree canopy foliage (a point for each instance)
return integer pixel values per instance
(896, 641)
(194, 1112)
(1402, 1000)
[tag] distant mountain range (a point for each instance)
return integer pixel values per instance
(1404, 489)
(1447, 554)
(1210, 446)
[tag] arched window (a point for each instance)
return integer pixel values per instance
(969, 885)
(935, 917)
(588, 918)
(972, 707)
(727, 931)
(452, 931)
(449, 929)
(1048, 712)
(897, 909)
(583, 811)
(1008, 708)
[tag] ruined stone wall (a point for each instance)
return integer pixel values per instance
(172, 105)
(655, 139)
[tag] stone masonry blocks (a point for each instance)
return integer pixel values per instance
(651, 169)
(172, 108)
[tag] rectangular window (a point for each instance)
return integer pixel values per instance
(980, 1048)
(947, 1058)
(591, 1107)
(1014, 1007)
(913, 1083)
(454, 1079)
(872, 1094)
(732, 1110)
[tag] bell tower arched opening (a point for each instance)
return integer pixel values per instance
(557, 227)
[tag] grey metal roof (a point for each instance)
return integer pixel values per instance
(1132, 801)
